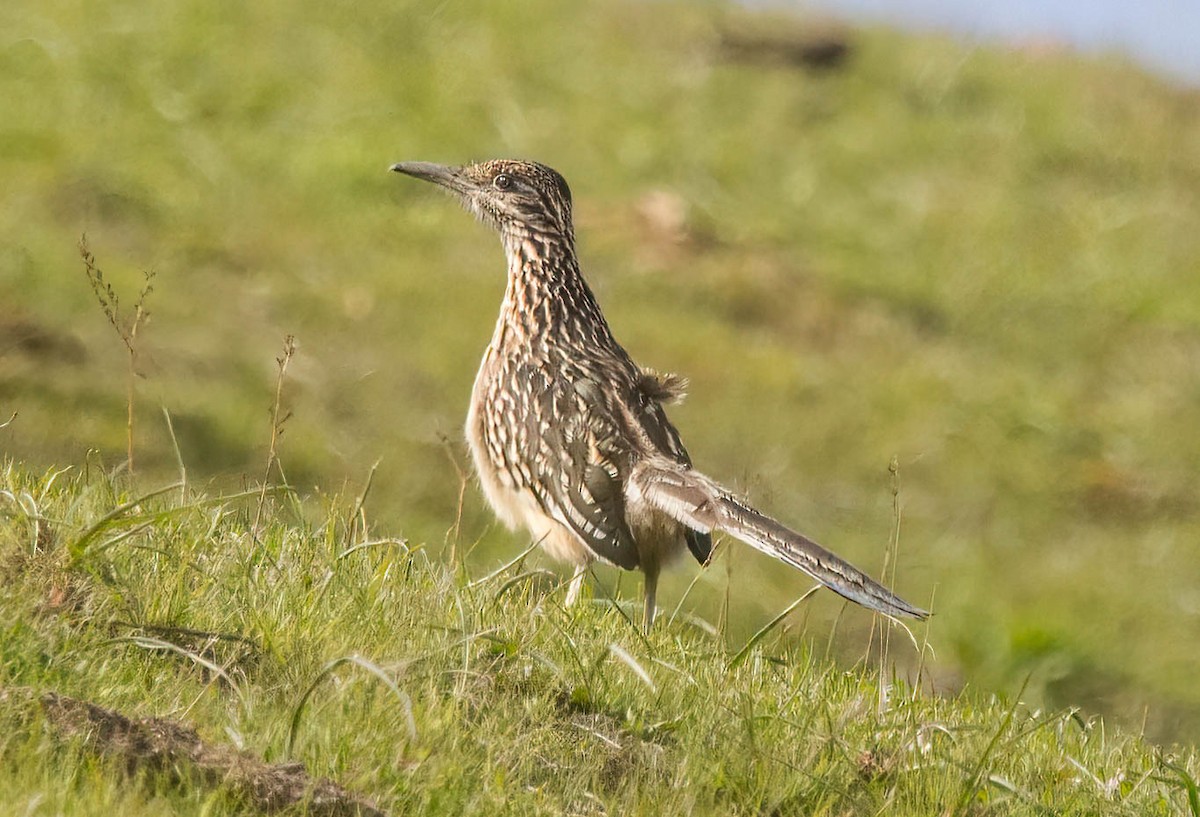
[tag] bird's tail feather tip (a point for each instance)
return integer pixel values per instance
(906, 610)
(881, 600)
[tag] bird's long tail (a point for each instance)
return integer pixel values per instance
(702, 504)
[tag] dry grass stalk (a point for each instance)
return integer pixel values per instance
(126, 327)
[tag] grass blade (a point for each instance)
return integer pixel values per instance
(149, 643)
(1189, 784)
(81, 546)
(362, 663)
(976, 777)
(738, 659)
(631, 662)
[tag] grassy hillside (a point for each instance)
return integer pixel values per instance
(981, 263)
(291, 633)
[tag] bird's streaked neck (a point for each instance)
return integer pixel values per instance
(544, 287)
(539, 258)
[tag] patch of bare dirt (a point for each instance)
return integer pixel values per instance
(163, 746)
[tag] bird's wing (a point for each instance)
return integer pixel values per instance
(578, 462)
(646, 418)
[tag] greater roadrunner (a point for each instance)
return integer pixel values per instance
(569, 435)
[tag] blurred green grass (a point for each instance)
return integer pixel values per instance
(982, 262)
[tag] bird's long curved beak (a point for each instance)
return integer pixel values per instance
(443, 175)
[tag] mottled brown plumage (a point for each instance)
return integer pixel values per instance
(569, 435)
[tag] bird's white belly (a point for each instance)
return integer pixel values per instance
(518, 508)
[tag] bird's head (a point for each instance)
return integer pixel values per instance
(517, 198)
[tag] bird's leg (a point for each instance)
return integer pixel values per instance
(576, 585)
(651, 593)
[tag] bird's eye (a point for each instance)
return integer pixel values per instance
(502, 181)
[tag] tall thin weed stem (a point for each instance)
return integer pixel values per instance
(289, 350)
(126, 327)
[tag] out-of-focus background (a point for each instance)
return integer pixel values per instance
(1160, 34)
(977, 258)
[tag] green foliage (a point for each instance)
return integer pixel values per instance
(428, 690)
(980, 261)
